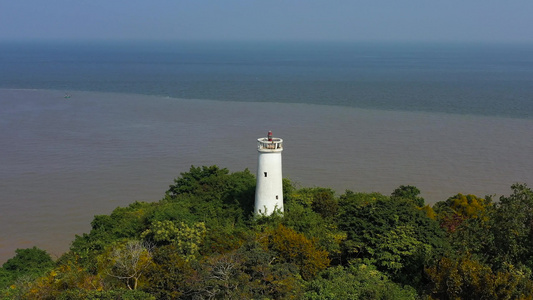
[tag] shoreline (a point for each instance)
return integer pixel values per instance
(96, 151)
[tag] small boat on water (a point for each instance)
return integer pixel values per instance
(67, 96)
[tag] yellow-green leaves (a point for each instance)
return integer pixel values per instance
(294, 247)
(127, 261)
(187, 239)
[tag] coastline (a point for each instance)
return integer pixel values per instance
(96, 151)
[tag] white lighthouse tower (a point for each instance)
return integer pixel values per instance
(269, 189)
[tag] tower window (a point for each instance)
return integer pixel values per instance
(265, 174)
(276, 197)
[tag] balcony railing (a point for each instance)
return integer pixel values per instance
(274, 144)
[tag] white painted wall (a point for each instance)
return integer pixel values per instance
(269, 189)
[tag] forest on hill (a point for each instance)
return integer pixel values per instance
(202, 241)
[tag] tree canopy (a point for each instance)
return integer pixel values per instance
(202, 241)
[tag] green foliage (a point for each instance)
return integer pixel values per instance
(30, 260)
(321, 200)
(169, 274)
(186, 238)
(408, 192)
(215, 196)
(6, 278)
(352, 199)
(68, 275)
(452, 212)
(467, 221)
(221, 240)
(497, 234)
(249, 272)
(398, 243)
(199, 181)
(126, 261)
(474, 236)
(355, 282)
(123, 223)
(28, 263)
(168, 210)
(293, 247)
(270, 277)
(288, 190)
(512, 227)
(202, 242)
(466, 278)
(394, 234)
(214, 183)
(104, 295)
(429, 212)
(325, 204)
(313, 212)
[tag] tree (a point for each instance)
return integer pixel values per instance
(452, 212)
(512, 226)
(186, 238)
(396, 245)
(215, 195)
(199, 180)
(467, 278)
(408, 192)
(313, 212)
(393, 234)
(467, 222)
(29, 263)
(123, 223)
(127, 261)
(215, 183)
(293, 247)
(171, 276)
(356, 282)
(270, 277)
(223, 276)
(249, 272)
(321, 200)
(105, 295)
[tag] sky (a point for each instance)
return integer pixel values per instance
(279, 20)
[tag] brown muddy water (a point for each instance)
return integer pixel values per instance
(62, 161)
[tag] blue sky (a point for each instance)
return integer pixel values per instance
(375, 20)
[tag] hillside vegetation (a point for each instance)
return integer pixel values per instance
(201, 241)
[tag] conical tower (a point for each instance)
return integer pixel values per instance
(269, 189)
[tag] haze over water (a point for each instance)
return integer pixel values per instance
(366, 117)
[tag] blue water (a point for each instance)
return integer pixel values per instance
(478, 79)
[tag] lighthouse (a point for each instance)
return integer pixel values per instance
(269, 188)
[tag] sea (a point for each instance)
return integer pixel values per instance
(88, 126)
